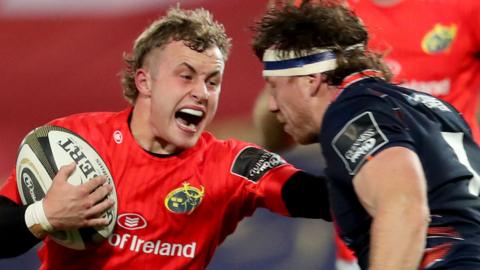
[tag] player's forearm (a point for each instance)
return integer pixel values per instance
(16, 237)
(398, 237)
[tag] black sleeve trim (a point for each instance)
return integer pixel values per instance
(306, 195)
(16, 237)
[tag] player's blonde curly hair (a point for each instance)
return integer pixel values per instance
(196, 28)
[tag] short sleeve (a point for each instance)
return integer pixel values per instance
(263, 174)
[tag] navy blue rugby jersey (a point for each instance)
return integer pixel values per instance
(371, 115)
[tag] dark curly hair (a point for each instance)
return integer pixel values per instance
(196, 28)
(324, 24)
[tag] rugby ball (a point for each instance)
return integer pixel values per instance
(42, 152)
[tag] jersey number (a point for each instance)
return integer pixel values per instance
(455, 140)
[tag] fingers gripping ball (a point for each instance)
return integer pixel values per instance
(41, 154)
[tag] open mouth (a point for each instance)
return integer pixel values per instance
(189, 118)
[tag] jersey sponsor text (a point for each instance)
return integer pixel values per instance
(158, 247)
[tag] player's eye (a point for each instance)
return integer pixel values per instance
(213, 82)
(187, 77)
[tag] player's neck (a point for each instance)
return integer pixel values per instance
(143, 135)
(386, 3)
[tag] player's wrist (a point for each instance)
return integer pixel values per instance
(37, 221)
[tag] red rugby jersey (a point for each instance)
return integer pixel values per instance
(173, 211)
(432, 46)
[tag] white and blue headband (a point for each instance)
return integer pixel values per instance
(287, 63)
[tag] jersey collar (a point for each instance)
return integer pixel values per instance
(358, 76)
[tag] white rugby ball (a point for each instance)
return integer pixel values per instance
(43, 151)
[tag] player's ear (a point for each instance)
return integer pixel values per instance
(143, 82)
(315, 81)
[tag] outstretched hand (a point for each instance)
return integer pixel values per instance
(68, 206)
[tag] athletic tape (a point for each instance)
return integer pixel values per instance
(35, 214)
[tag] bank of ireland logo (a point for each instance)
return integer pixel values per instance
(439, 39)
(131, 221)
(184, 199)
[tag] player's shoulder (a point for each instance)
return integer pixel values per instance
(233, 150)
(359, 97)
(245, 160)
(224, 146)
(90, 119)
(95, 127)
(360, 105)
